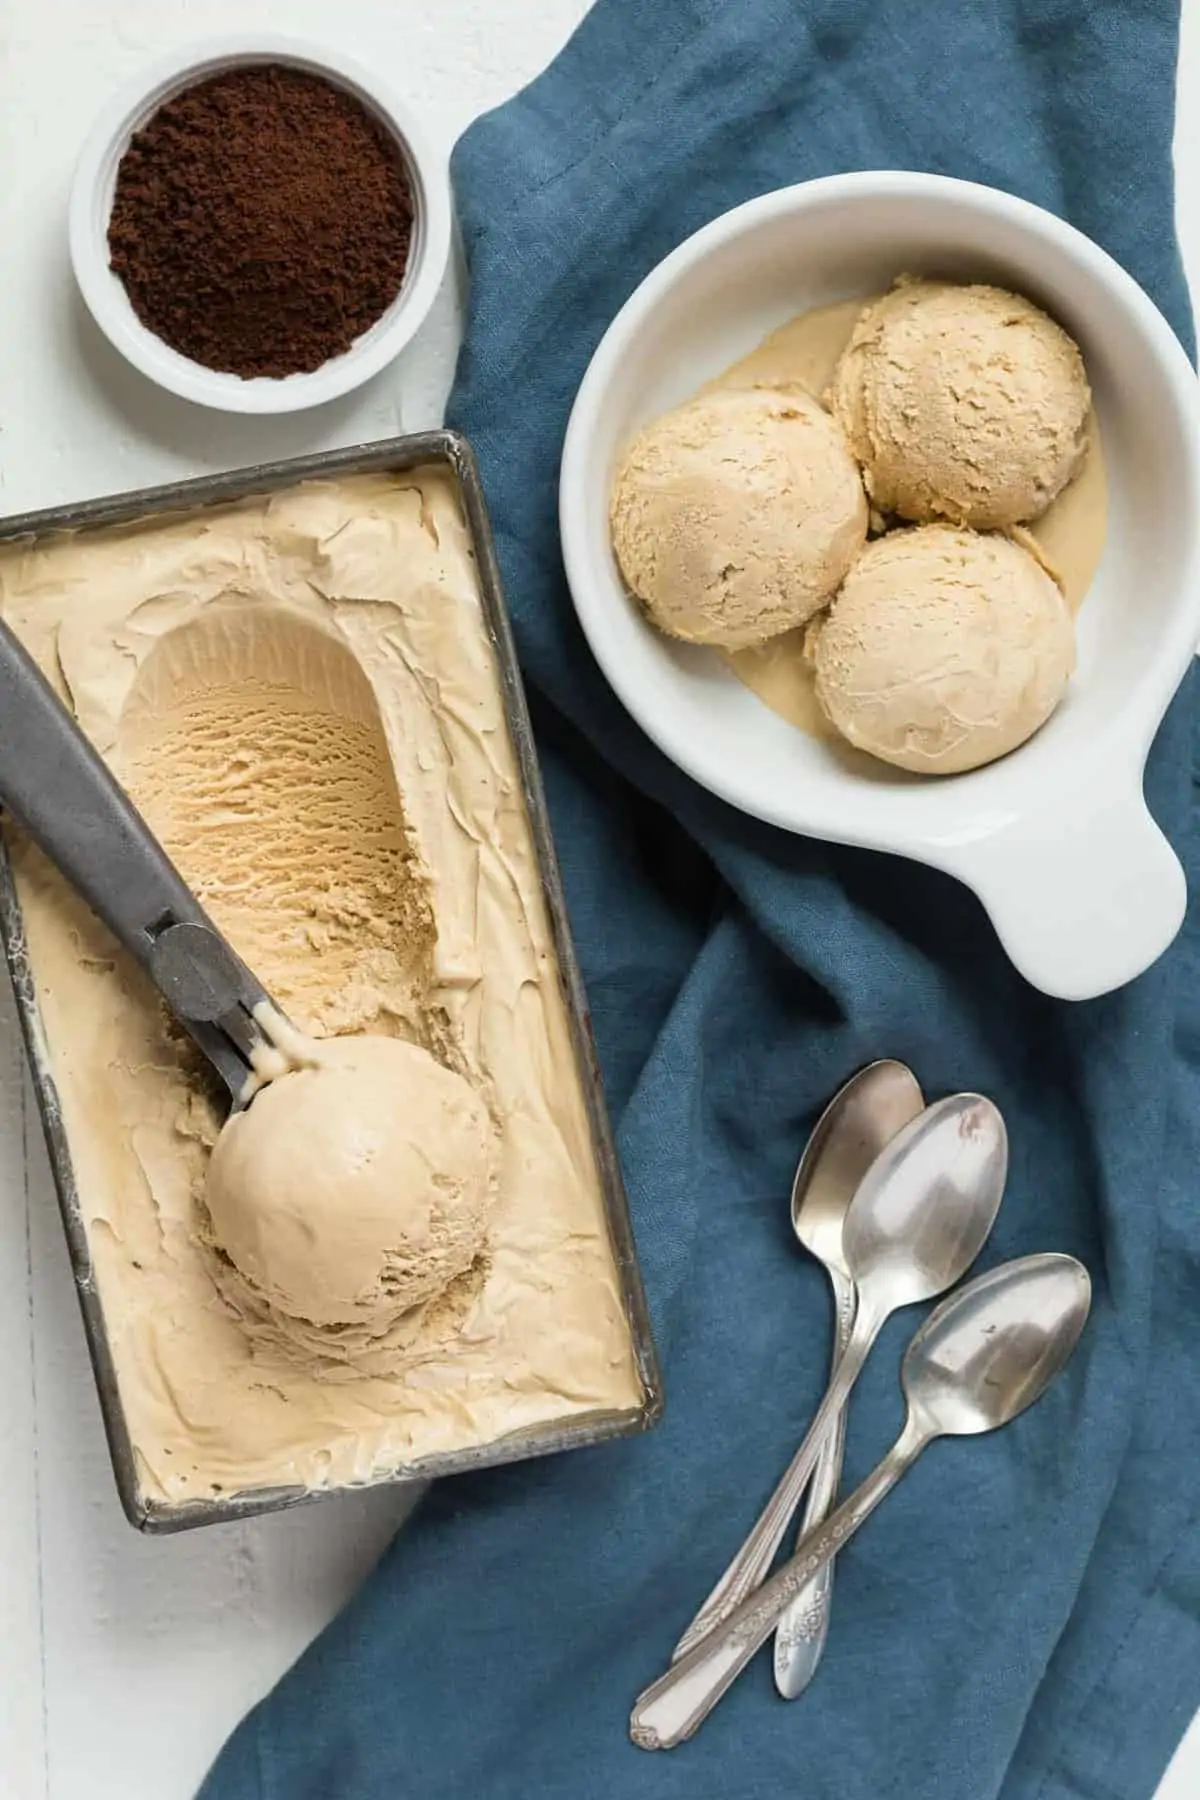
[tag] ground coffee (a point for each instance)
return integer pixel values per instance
(261, 221)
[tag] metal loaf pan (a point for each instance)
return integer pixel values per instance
(397, 455)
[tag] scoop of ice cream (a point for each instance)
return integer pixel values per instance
(962, 403)
(945, 649)
(736, 516)
(355, 1189)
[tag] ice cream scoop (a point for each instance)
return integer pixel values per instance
(944, 649)
(357, 1186)
(964, 403)
(359, 1182)
(735, 516)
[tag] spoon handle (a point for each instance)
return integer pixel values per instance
(801, 1633)
(754, 1558)
(672, 1708)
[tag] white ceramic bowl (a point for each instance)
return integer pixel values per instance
(1055, 839)
(91, 205)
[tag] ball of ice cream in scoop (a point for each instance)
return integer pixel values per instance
(354, 1189)
(735, 516)
(962, 402)
(945, 649)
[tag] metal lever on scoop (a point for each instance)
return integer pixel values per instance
(74, 809)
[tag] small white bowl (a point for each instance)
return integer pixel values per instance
(91, 205)
(1056, 840)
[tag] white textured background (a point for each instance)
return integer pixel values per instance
(125, 1661)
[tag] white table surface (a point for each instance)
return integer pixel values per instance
(125, 1661)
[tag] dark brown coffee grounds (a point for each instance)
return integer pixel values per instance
(261, 221)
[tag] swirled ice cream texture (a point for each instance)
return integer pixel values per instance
(301, 694)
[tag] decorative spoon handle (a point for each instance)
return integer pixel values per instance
(672, 1708)
(754, 1558)
(801, 1633)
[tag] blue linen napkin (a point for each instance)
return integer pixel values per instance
(1022, 1618)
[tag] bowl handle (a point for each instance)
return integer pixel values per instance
(1084, 893)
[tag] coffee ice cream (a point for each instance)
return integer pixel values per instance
(944, 649)
(735, 516)
(301, 694)
(962, 402)
(354, 1188)
(1068, 537)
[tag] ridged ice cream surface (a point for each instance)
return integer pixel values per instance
(962, 402)
(945, 649)
(254, 744)
(735, 516)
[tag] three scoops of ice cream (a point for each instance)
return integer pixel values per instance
(955, 416)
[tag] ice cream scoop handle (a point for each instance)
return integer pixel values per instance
(60, 790)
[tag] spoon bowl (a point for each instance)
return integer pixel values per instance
(992, 1348)
(861, 1120)
(925, 1206)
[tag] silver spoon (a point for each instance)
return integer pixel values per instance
(861, 1120)
(915, 1226)
(979, 1360)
